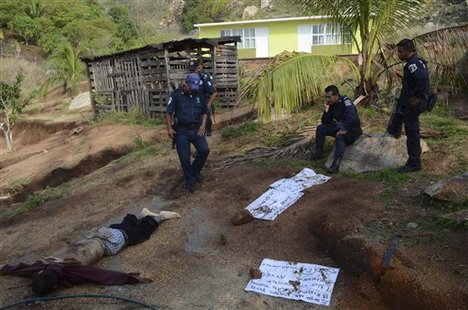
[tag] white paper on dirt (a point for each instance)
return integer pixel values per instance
(298, 281)
(284, 193)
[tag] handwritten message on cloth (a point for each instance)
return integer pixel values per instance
(284, 193)
(298, 281)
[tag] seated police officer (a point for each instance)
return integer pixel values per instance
(339, 120)
(189, 109)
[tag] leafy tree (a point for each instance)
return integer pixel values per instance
(126, 28)
(10, 9)
(67, 69)
(25, 26)
(11, 105)
(195, 11)
(94, 35)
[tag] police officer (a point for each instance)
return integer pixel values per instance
(207, 90)
(187, 106)
(413, 100)
(339, 120)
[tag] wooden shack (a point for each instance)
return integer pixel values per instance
(145, 77)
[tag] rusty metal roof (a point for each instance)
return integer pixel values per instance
(171, 46)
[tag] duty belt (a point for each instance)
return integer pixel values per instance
(190, 126)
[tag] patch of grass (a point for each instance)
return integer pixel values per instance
(223, 239)
(36, 200)
(133, 117)
(18, 184)
(232, 132)
(388, 176)
(297, 164)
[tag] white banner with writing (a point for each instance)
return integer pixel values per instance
(284, 193)
(298, 281)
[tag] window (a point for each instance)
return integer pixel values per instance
(247, 36)
(322, 34)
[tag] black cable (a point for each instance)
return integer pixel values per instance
(32, 300)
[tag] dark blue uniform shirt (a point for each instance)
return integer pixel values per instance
(415, 80)
(343, 114)
(187, 108)
(206, 85)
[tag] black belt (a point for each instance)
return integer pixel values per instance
(190, 126)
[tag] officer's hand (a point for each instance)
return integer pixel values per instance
(414, 101)
(201, 131)
(171, 133)
(341, 132)
(326, 107)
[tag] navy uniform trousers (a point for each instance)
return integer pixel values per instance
(330, 130)
(410, 119)
(184, 137)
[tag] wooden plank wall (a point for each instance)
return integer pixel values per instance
(145, 79)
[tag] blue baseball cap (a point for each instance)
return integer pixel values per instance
(193, 80)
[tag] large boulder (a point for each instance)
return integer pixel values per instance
(249, 11)
(80, 101)
(372, 152)
(452, 189)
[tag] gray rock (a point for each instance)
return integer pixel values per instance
(80, 101)
(249, 11)
(412, 225)
(264, 4)
(452, 189)
(372, 152)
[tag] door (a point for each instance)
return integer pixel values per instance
(304, 38)
(261, 42)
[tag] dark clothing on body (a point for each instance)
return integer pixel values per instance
(136, 231)
(340, 116)
(73, 273)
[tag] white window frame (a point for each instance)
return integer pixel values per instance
(247, 36)
(322, 34)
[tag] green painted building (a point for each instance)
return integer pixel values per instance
(263, 38)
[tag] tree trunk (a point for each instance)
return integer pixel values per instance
(8, 138)
(370, 90)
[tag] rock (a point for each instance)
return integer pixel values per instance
(459, 217)
(242, 217)
(82, 100)
(412, 225)
(249, 11)
(374, 152)
(255, 273)
(453, 189)
(264, 4)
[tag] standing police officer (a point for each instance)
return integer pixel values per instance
(413, 100)
(339, 120)
(207, 90)
(189, 109)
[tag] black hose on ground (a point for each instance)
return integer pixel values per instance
(40, 299)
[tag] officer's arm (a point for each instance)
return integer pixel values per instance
(170, 110)
(210, 89)
(350, 115)
(327, 117)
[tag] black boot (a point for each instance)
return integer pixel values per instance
(335, 166)
(317, 155)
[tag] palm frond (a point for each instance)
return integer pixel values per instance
(291, 80)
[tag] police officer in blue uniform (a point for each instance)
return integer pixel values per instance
(207, 90)
(413, 100)
(340, 120)
(188, 108)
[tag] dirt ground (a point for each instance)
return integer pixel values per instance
(202, 261)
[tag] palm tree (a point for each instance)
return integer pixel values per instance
(366, 23)
(35, 9)
(67, 68)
